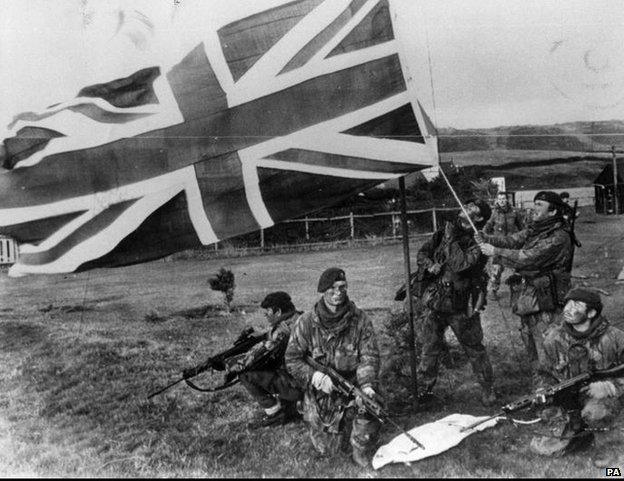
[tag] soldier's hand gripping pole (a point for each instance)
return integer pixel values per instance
(457, 199)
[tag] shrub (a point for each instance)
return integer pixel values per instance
(223, 281)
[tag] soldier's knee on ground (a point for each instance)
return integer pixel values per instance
(324, 443)
(364, 432)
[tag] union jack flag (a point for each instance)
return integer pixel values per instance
(272, 116)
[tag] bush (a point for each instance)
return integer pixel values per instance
(223, 281)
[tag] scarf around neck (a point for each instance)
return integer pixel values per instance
(334, 322)
(545, 225)
(596, 329)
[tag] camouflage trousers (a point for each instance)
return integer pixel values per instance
(533, 330)
(468, 332)
(266, 386)
(331, 423)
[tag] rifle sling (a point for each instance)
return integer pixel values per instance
(194, 386)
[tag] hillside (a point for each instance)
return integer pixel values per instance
(572, 136)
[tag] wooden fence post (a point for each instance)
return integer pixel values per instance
(394, 226)
(307, 227)
(435, 219)
(352, 225)
(262, 238)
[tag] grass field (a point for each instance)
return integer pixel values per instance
(80, 352)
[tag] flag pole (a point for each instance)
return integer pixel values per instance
(408, 290)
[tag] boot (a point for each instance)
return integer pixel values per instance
(576, 430)
(427, 398)
(266, 420)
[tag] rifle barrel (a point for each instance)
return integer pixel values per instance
(479, 423)
(347, 388)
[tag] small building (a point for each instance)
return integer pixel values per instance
(605, 190)
(8, 251)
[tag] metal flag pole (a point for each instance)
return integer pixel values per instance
(457, 199)
(616, 200)
(408, 289)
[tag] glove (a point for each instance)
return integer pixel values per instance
(479, 237)
(322, 382)
(539, 399)
(435, 268)
(369, 392)
(600, 389)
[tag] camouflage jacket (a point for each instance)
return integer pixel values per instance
(541, 247)
(503, 221)
(540, 254)
(462, 268)
(569, 353)
(353, 351)
(269, 354)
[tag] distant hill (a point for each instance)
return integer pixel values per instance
(571, 136)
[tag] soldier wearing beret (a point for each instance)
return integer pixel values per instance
(585, 341)
(540, 254)
(336, 333)
(262, 369)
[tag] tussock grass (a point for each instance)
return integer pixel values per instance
(73, 382)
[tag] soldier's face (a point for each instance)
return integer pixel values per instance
(540, 210)
(336, 294)
(272, 315)
(475, 214)
(575, 312)
(501, 200)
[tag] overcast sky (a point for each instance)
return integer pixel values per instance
(492, 62)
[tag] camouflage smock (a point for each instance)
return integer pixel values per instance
(543, 246)
(462, 274)
(569, 353)
(353, 351)
(269, 354)
(503, 221)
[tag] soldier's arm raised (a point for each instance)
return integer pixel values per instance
(511, 241)
(539, 256)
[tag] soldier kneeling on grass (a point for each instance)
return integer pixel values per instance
(337, 334)
(584, 341)
(262, 369)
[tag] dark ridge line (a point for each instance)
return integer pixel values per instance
(535, 163)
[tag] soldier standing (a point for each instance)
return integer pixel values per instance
(337, 334)
(262, 369)
(455, 269)
(585, 341)
(505, 220)
(540, 254)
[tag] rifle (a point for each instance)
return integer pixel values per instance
(553, 393)
(349, 390)
(241, 345)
